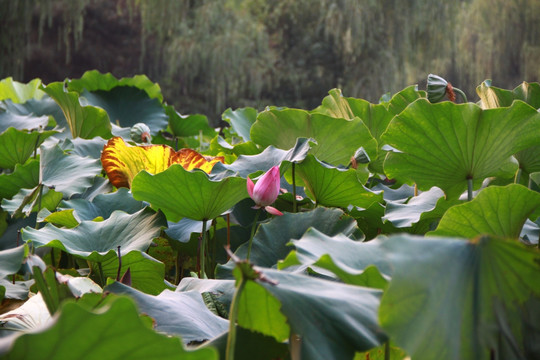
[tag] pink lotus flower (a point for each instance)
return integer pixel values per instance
(266, 191)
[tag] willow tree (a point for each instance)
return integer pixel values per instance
(211, 54)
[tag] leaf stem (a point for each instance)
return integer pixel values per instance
(202, 260)
(517, 178)
(387, 350)
(228, 234)
(36, 146)
(101, 276)
(119, 265)
(233, 315)
(294, 187)
(252, 233)
(461, 93)
(40, 195)
(469, 189)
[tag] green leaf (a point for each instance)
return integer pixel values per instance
(331, 186)
(248, 164)
(11, 236)
(16, 146)
(94, 80)
(445, 144)
(379, 353)
(23, 177)
(27, 201)
(258, 310)
(113, 332)
(406, 214)
(63, 218)
(497, 211)
(20, 92)
(493, 97)
(11, 260)
(529, 159)
(32, 108)
(222, 290)
(84, 147)
(67, 173)
(254, 345)
(464, 294)
(337, 138)
(188, 125)
(375, 116)
(180, 193)
(95, 240)
(182, 314)
(350, 261)
(404, 98)
(327, 332)
(103, 205)
(241, 120)
(147, 273)
(22, 122)
(84, 121)
(52, 291)
(271, 239)
(127, 106)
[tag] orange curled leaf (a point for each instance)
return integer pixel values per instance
(122, 162)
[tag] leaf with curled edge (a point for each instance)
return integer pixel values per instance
(122, 161)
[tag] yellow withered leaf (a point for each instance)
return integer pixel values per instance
(122, 162)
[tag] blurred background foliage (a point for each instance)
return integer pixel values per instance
(208, 55)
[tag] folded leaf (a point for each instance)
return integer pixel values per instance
(122, 162)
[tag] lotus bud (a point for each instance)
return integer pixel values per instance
(266, 190)
(140, 133)
(438, 88)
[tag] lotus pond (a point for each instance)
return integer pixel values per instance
(403, 229)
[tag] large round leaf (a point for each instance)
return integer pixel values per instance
(84, 121)
(497, 211)
(348, 260)
(20, 92)
(127, 106)
(331, 186)
(241, 120)
(94, 80)
(16, 146)
(122, 162)
(327, 332)
(23, 177)
(271, 239)
(337, 138)
(188, 125)
(103, 205)
(429, 205)
(180, 193)
(114, 332)
(95, 240)
(445, 144)
(11, 260)
(492, 97)
(271, 156)
(456, 299)
(66, 173)
(375, 116)
(182, 314)
(21, 122)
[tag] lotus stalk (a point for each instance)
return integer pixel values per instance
(264, 193)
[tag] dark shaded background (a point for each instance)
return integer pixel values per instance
(208, 55)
